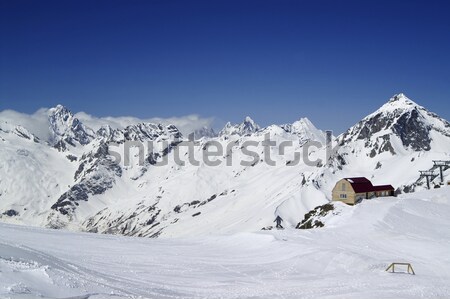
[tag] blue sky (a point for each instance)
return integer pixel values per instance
(276, 61)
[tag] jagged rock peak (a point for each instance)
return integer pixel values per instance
(64, 127)
(248, 126)
(140, 132)
(105, 131)
(60, 119)
(60, 109)
(173, 131)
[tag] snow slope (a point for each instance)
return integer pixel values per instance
(345, 259)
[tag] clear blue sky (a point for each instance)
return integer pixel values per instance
(273, 60)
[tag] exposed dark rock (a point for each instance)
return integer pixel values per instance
(11, 213)
(169, 148)
(60, 146)
(310, 220)
(79, 171)
(95, 175)
(386, 145)
(23, 135)
(267, 228)
(152, 158)
(71, 158)
(153, 218)
(311, 224)
(412, 132)
(174, 132)
(374, 125)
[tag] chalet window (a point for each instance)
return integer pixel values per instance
(343, 195)
(343, 186)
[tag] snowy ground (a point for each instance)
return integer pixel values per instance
(346, 259)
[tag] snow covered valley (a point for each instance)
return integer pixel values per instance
(345, 259)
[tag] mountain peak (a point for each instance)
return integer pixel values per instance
(248, 126)
(305, 121)
(401, 98)
(398, 96)
(400, 117)
(399, 101)
(59, 109)
(248, 119)
(65, 127)
(304, 129)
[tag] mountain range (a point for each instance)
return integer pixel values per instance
(70, 177)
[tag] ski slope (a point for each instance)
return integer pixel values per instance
(345, 259)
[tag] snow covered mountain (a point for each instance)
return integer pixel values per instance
(65, 129)
(247, 127)
(305, 130)
(393, 144)
(413, 126)
(88, 180)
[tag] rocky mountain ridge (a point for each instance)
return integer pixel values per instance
(73, 180)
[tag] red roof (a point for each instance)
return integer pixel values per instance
(358, 180)
(383, 188)
(363, 185)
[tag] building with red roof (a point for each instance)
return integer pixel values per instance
(354, 190)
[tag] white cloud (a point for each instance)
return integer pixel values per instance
(37, 123)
